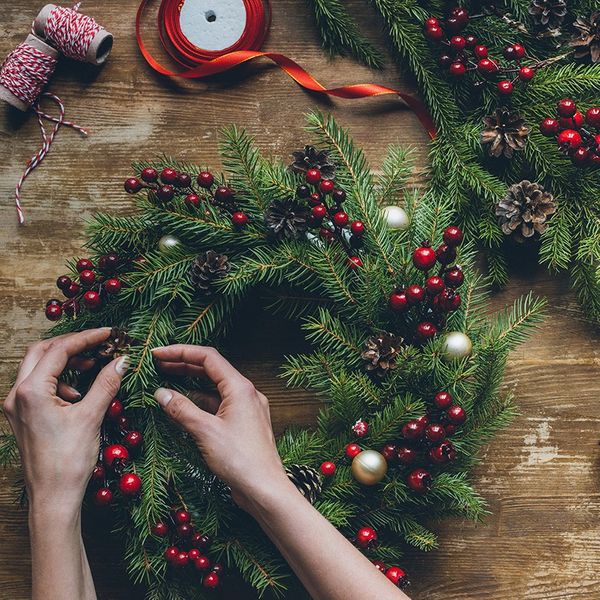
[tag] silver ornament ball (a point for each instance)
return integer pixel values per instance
(167, 243)
(396, 217)
(369, 467)
(457, 345)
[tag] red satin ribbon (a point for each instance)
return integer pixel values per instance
(202, 63)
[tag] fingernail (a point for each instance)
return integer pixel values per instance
(157, 348)
(122, 365)
(163, 396)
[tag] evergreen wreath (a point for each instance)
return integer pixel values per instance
(382, 309)
(484, 60)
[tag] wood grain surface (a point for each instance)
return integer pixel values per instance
(540, 476)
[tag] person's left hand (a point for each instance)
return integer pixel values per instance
(58, 439)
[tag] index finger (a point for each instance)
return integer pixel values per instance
(217, 368)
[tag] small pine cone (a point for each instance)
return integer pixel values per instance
(207, 268)
(505, 131)
(311, 158)
(117, 344)
(548, 14)
(287, 219)
(586, 40)
(381, 352)
(524, 210)
(306, 479)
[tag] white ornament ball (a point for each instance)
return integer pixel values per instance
(369, 467)
(396, 217)
(168, 242)
(457, 345)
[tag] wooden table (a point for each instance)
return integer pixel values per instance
(540, 476)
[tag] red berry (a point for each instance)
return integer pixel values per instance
(194, 554)
(380, 565)
(454, 277)
(471, 41)
(99, 473)
(53, 301)
(435, 433)
(434, 285)
(566, 107)
(327, 468)
(419, 480)
(160, 529)
(423, 420)
(180, 560)
(424, 257)
(448, 300)
(592, 117)
(460, 14)
(595, 160)
(112, 285)
(480, 52)
(183, 180)
(171, 553)
(580, 156)
(509, 53)
(115, 409)
(445, 60)
(426, 330)
(202, 563)
(549, 127)
(351, 450)
(389, 452)
(319, 211)
(397, 576)
(84, 264)
(192, 200)
(70, 307)
(357, 228)
(165, 193)
(205, 179)
(443, 453)
(413, 430)
(487, 66)
(415, 294)
(569, 139)
(442, 400)
(360, 428)
(185, 530)
(87, 277)
(63, 282)
(313, 176)
(315, 199)
(224, 194)
(211, 581)
(54, 312)
(431, 22)
(434, 33)
(108, 263)
(574, 122)
(518, 51)
(149, 175)
(340, 218)
(133, 440)
(326, 186)
(456, 414)
(239, 218)
(458, 42)
(399, 302)
(168, 175)
(72, 290)
(453, 235)
(504, 87)
(92, 300)
(115, 453)
(366, 537)
(354, 262)
(103, 497)
(182, 517)
(406, 455)
(201, 540)
(133, 185)
(339, 196)
(526, 73)
(457, 69)
(130, 484)
(445, 254)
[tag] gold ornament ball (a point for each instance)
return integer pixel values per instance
(457, 345)
(168, 242)
(369, 467)
(396, 217)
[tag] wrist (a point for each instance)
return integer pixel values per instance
(267, 497)
(53, 513)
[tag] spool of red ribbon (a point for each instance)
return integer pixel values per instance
(199, 61)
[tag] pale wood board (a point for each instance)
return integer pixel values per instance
(540, 476)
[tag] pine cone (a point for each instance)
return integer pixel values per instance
(287, 219)
(524, 210)
(587, 39)
(306, 479)
(207, 268)
(505, 132)
(311, 158)
(117, 344)
(381, 351)
(548, 14)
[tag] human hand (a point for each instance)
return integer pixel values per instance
(234, 433)
(59, 440)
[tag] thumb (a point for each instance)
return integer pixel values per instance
(105, 388)
(183, 411)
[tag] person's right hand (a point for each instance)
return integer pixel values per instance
(234, 433)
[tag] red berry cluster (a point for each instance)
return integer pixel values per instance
(91, 287)
(328, 215)
(115, 457)
(188, 547)
(170, 184)
(463, 53)
(429, 303)
(576, 135)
